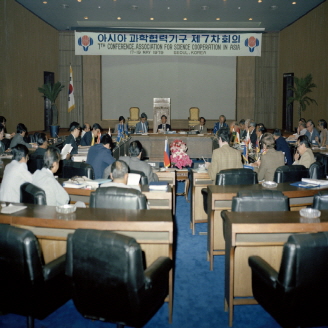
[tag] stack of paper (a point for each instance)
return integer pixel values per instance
(318, 182)
(158, 186)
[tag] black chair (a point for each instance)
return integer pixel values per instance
(143, 177)
(322, 158)
(109, 281)
(296, 296)
(28, 286)
(317, 171)
(231, 177)
(32, 194)
(260, 200)
(35, 163)
(320, 200)
(71, 169)
(290, 173)
(118, 198)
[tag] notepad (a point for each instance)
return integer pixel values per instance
(303, 184)
(318, 182)
(12, 209)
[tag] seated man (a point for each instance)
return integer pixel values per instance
(142, 126)
(252, 133)
(71, 139)
(304, 155)
(119, 175)
(312, 133)
(85, 128)
(56, 195)
(15, 175)
(164, 126)
(243, 130)
(100, 155)
(201, 127)
(19, 136)
(42, 142)
(121, 126)
(282, 145)
(271, 159)
(224, 157)
(92, 137)
(221, 124)
(134, 162)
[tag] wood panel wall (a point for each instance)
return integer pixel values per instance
(303, 49)
(29, 47)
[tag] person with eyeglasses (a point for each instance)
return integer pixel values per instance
(312, 133)
(304, 155)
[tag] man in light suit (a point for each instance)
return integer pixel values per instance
(164, 126)
(135, 163)
(201, 126)
(142, 126)
(224, 157)
(221, 124)
(304, 155)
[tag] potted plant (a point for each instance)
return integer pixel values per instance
(51, 92)
(302, 86)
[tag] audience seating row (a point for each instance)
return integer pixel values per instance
(103, 272)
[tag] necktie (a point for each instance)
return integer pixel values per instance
(143, 128)
(92, 141)
(201, 128)
(164, 127)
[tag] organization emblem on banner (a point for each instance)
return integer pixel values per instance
(252, 43)
(85, 42)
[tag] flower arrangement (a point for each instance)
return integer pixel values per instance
(179, 156)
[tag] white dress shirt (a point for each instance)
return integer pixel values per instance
(14, 176)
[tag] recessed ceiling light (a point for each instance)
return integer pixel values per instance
(86, 17)
(168, 8)
(294, 3)
(64, 6)
(151, 18)
(79, 0)
(218, 18)
(205, 7)
(45, 2)
(250, 18)
(185, 18)
(119, 18)
(274, 7)
(134, 7)
(259, 1)
(99, 7)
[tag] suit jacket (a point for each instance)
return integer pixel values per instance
(224, 158)
(315, 133)
(243, 134)
(282, 145)
(306, 159)
(87, 139)
(269, 163)
(253, 138)
(197, 127)
(167, 126)
(218, 126)
(19, 140)
(70, 140)
(139, 127)
(125, 128)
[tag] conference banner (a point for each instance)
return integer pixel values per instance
(150, 44)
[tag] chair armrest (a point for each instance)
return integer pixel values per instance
(204, 191)
(263, 269)
(54, 268)
(156, 270)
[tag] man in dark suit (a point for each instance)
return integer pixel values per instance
(221, 124)
(282, 145)
(164, 126)
(252, 133)
(93, 137)
(243, 130)
(74, 128)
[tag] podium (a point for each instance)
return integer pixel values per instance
(162, 106)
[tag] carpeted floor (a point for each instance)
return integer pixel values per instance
(198, 292)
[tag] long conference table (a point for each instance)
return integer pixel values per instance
(257, 233)
(153, 229)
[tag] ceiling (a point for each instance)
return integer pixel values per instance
(182, 15)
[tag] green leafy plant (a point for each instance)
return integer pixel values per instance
(51, 91)
(302, 86)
